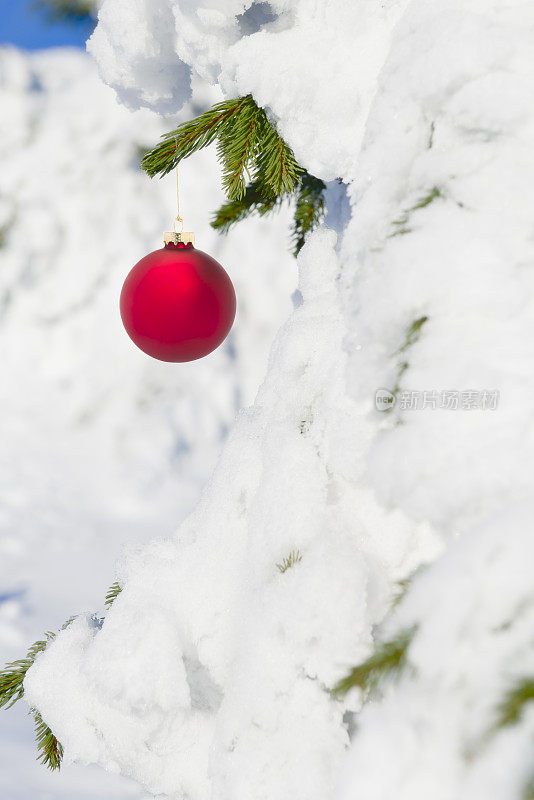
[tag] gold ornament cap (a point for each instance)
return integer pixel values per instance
(184, 237)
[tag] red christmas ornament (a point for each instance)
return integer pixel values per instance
(177, 303)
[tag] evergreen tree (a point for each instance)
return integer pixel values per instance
(70, 10)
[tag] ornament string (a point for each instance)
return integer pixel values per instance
(178, 217)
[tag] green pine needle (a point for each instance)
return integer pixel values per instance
(252, 202)
(114, 590)
(425, 201)
(309, 209)
(193, 135)
(510, 711)
(238, 144)
(293, 558)
(13, 674)
(387, 662)
(412, 334)
(247, 144)
(401, 224)
(411, 337)
(513, 704)
(12, 689)
(49, 749)
(249, 149)
(276, 167)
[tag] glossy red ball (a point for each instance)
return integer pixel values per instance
(177, 304)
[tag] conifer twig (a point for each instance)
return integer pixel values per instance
(277, 170)
(13, 674)
(237, 147)
(309, 209)
(248, 147)
(513, 704)
(12, 689)
(388, 660)
(191, 136)
(246, 141)
(49, 748)
(252, 202)
(293, 558)
(114, 590)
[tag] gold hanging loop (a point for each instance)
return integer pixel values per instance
(174, 236)
(178, 217)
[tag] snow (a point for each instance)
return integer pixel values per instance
(434, 730)
(240, 655)
(246, 46)
(211, 674)
(101, 446)
(142, 62)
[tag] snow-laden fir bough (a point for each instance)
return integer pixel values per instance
(259, 170)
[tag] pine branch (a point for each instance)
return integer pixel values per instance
(13, 674)
(401, 224)
(70, 10)
(252, 202)
(192, 136)
(114, 590)
(528, 792)
(49, 749)
(309, 209)
(509, 712)
(247, 144)
(425, 201)
(277, 170)
(387, 662)
(293, 558)
(512, 706)
(412, 334)
(237, 147)
(246, 141)
(12, 689)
